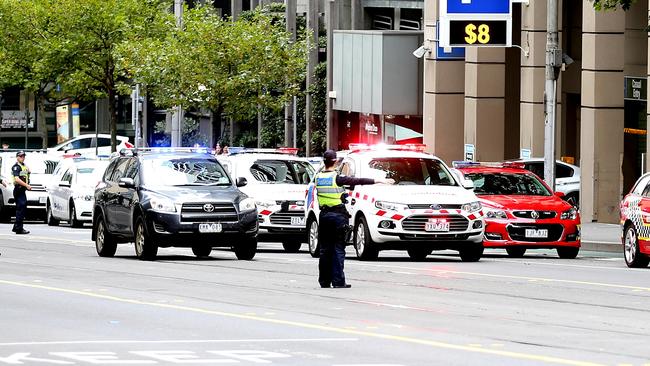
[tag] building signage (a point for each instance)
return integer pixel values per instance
(470, 152)
(62, 126)
(448, 53)
(15, 120)
(470, 23)
(371, 128)
(636, 88)
(525, 154)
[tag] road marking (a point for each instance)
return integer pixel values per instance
(181, 341)
(404, 339)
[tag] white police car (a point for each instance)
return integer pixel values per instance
(430, 207)
(277, 180)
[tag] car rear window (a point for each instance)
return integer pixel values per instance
(282, 171)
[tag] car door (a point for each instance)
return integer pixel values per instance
(64, 192)
(126, 199)
(113, 191)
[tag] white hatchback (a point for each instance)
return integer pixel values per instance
(429, 208)
(88, 143)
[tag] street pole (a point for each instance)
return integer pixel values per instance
(312, 61)
(290, 20)
(96, 127)
(177, 111)
(553, 64)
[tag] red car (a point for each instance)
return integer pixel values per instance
(521, 211)
(635, 222)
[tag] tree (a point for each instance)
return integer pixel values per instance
(97, 29)
(225, 66)
(612, 4)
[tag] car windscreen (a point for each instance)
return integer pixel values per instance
(89, 176)
(507, 184)
(282, 171)
(190, 171)
(411, 171)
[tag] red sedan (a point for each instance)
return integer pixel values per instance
(521, 211)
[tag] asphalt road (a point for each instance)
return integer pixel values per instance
(64, 305)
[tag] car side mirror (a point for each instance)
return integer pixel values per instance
(126, 183)
(65, 184)
(241, 182)
(468, 184)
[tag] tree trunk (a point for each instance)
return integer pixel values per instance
(41, 121)
(112, 109)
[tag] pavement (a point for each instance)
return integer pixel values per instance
(601, 237)
(64, 305)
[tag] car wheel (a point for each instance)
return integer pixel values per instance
(471, 253)
(567, 252)
(73, 217)
(246, 249)
(633, 257)
(314, 248)
(145, 249)
(291, 246)
(201, 251)
(104, 243)
(516, 252)
(363, 245)
(49, 217)
(418, 254)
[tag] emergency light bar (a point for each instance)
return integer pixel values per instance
(473, 164)
(280, 150)
(136, 151)
(378, 147)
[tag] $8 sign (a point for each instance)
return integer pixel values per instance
(480, 34)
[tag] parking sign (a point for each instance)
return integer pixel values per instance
(470, 23)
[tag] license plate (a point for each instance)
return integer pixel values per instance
(298, 221)
(42, 200)
(436, 225)
(210, 228)
(537, 234)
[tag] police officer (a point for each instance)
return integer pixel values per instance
(20, 173)
(333, 220)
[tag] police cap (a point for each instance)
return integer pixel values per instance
(20, 153)
(330, 155)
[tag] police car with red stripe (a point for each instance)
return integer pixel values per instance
(277, 179)
(429, 208)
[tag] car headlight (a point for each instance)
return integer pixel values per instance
(390, 206)
(472, 207)
(247, 204)
(571, 214)
(264, 203)
(162, 204)
(496, 214)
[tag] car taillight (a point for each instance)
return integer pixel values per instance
(129, 145)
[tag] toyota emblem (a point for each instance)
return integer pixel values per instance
(436, 207)
(208, 207)
(534, 215)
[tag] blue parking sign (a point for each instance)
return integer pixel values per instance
(478, 6)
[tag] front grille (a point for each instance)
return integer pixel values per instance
(37, 188)
(428, 206)
(518, 232)
(529, 214)
(194, 212)
(284, 218)
(418, 222)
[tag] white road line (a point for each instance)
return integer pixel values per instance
(258, 340)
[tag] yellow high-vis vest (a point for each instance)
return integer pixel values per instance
(327, 191)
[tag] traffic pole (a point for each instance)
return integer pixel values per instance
(553, 64)
(177, 111)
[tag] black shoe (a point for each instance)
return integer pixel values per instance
(14, 230)
(325, 285)
(22, 232)
(347, 285)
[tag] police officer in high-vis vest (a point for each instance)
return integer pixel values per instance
(20, 173)
(333, 220)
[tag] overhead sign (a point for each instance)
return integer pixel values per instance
(475, 23)
(636, 88)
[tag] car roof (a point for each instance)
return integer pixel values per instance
(152, 155)
(487, 170)
(374, 154)
(265, 156)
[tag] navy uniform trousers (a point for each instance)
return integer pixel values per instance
(331, 238)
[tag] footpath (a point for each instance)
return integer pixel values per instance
(601, 237)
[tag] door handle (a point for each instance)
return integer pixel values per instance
(353, 201)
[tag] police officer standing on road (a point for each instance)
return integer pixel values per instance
(20, 173)
(333, 220)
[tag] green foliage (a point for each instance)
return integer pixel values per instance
(319, 114)
(612, 4)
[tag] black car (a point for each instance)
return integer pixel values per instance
(158, 199)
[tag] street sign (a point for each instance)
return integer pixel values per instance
(475, 23)
(448, 53)
(470, 152)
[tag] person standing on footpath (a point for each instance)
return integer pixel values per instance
(20, 173)
(333, 220)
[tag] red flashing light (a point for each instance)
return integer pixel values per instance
(405, 147)
(129, 145)
(288, 150)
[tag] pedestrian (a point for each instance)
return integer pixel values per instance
(5, 146)
(217, 149)
(225, 150)
(20, 173)
(334, 220)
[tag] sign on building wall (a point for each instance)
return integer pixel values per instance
(62, 126)
(76, 125)
(15, 120)
(468, 23)
(636, 88)
(470, 152)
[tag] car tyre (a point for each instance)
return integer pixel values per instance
(568, 252)
(471, 253)
(145, 249)
(314, 247)
(516, 252)
(201, 251)
(73, 217)
(633, 257)
(363, 244)
(104, 243)
(418, 254)
(246, 249)
(291, 246)
(50, 220)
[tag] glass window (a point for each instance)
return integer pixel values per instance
(563, 171)
(641, 185)
(120, 169)
(103, 141)
(190, 171)
(536, 167)
(282, 171)
(83, 143)
(411, 171)
(109, 170)
(646, 191)
(347, 169)
(132, 171)
(90, 176)
(507, 184)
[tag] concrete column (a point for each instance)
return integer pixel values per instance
(601, 132)
(357, 14)
(235, 8)
(485, 102)
(397, 18)
(254, 4)
(290, 16)
(331, 13)
(312, 61)
(444, 88)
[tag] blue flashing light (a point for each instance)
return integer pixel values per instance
(464, 164)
